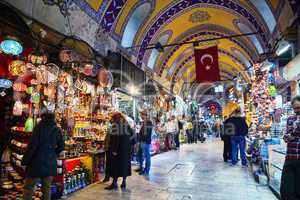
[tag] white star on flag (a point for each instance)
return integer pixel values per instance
(207, 67)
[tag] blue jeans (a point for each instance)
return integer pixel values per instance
(147, 157)
(238, 143)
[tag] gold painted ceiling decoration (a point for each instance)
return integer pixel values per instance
(186, 20)
(199, 16)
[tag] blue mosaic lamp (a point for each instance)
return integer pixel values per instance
(11, 46)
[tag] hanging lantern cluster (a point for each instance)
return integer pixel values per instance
(37, 58)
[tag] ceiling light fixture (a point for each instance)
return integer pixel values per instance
(283, 47)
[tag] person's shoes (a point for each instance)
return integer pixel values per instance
(111, 187)
(105, 180)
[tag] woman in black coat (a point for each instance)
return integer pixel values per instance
(120, 150)
(40, 158)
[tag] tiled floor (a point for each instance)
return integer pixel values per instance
(196, 172)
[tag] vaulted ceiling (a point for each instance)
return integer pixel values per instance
(141, 23)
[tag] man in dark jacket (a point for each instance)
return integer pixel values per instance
(146, 134)
(227, 150)
(41, 156)
(238, 128)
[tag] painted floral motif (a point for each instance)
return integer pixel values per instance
(199, 16)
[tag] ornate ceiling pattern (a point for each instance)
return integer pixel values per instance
(183, 20)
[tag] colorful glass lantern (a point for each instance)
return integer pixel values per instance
(37, 58)
(19, 87)
(65, 55)
(11, 46)
(18, 108)
(88, 69)
(17, 68)
(5, 83)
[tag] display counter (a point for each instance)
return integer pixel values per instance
(73, 174)
(277, 159)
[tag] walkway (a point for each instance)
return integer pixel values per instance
(195, 172)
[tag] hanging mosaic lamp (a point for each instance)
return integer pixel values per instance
(5, 83)
(11, 46)
(19, 87)
(29, 125)
(17, 68)
(18, 108)
(37, 57)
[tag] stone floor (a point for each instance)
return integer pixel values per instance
(195, 172)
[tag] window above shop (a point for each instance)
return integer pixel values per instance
(154, 53)
(134, 23)
(245, 29)
(265, 11)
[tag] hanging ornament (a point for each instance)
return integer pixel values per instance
(35, 97)
(17, 68)
(2, 93)
(19, 87)
(18, 108)
(37, 58)
(5, 83)
(11, 46)
(29, 125)
(65, 55)
(105, 78)
(88, 69)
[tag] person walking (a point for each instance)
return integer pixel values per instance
(290, 178)
(237, 127)
(119, 150)
(172, 131)
(177, 132)
(40, 158)
(226, 138)
(189, 130)
(146, 134)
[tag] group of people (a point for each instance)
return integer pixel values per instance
(119, 143)
(47, 143)
(193, 129)
(234, 137)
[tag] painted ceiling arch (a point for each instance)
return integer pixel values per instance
(182, 50)
(184, 19)
(180, 7)
(206, 29)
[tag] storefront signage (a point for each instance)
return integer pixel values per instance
(5, 83)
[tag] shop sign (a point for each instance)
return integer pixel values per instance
(5, 83)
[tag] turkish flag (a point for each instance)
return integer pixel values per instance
(207, 65)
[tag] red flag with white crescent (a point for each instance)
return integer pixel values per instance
(207, 65)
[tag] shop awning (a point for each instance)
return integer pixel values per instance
(292, 70)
